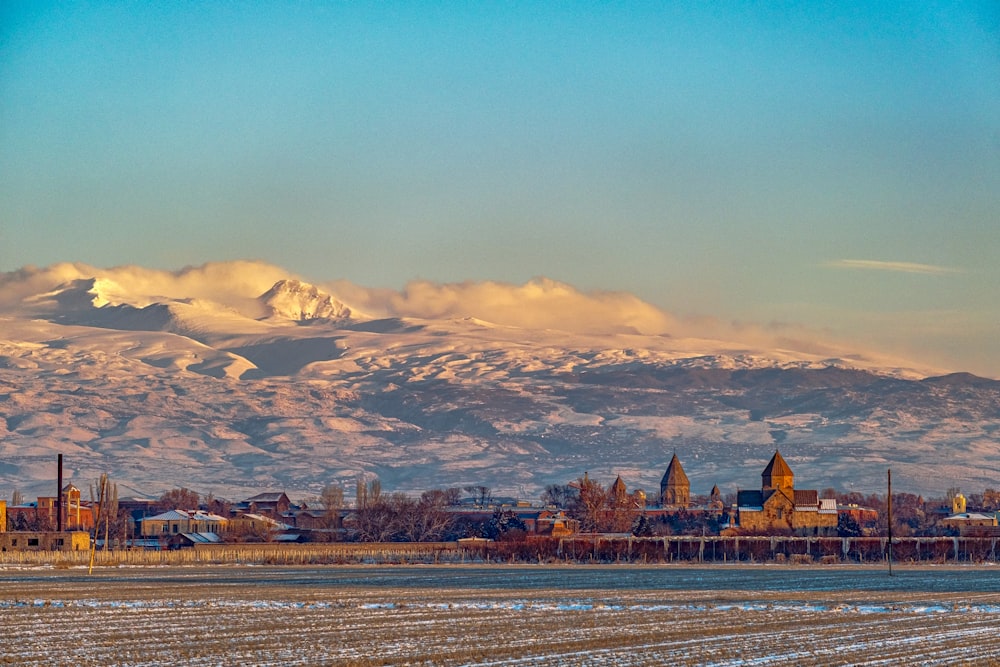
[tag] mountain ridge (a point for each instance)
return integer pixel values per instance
(226, 397)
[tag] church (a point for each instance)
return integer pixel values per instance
(780, 507)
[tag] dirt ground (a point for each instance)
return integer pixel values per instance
(446, 615)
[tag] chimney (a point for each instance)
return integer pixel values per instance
(59, 507)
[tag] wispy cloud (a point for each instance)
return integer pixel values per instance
(898, 267)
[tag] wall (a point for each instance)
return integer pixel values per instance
(44, 541)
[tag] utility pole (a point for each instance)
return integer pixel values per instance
(889, 517)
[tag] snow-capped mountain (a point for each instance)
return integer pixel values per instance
(301, 302)
(206, 378)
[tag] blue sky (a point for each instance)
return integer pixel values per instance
(834, 165)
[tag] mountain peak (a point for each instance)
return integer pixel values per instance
(301, 302)
(84, 294)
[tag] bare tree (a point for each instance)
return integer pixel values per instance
(374, 517)
(991, 499)
(367, 493)
(331, 499)
(104, 499)
(431, 517)
(178, 499)
(482, 495)
(591, 506)
(560, 495)
(219, 506)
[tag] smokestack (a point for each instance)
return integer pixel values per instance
(59, 507)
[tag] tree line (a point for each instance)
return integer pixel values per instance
(378, 516)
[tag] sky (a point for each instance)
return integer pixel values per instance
(827, 165)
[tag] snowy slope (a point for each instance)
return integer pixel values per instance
(216, 379)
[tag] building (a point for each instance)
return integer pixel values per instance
(780, 507)
(618, 493)
(865, 517)
(715, 499)
(188, 540)
(553, 523)
(255, 527)
(273, 504)
(182, 521)
(41, 514)
(675, 488)
(44, 540)
(972, 524)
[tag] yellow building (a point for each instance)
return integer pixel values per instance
(183, 521)
(30, 540)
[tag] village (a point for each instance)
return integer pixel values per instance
(181, 518)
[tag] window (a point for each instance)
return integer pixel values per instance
(32, 541)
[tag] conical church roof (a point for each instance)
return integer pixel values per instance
(777, 467)
(675, 474)
(618, 486)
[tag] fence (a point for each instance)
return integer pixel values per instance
(575, 549)
(777, 549)
(276, 554)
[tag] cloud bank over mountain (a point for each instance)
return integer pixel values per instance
(257, 290)
(541, 303)
(229, 283)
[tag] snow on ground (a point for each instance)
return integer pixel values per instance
(723, 616)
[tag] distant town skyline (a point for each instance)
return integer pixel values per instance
(829, 170)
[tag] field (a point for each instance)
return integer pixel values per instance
(504, 615)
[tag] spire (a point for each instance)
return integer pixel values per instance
(618, 484)
(675, 473)
(777, 474)
(675, 488)
(618, 491)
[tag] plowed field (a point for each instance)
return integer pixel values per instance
(586, 615)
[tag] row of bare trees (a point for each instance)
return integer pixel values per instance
(598, 509)
(395, 517)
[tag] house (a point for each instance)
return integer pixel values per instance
(865, 517)
(272, 504)
(255, 526)
(188, 540)
(554, 523)
(972, 524)
(137, 508)
(779, 506)
(312, 519)
(175, 522)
